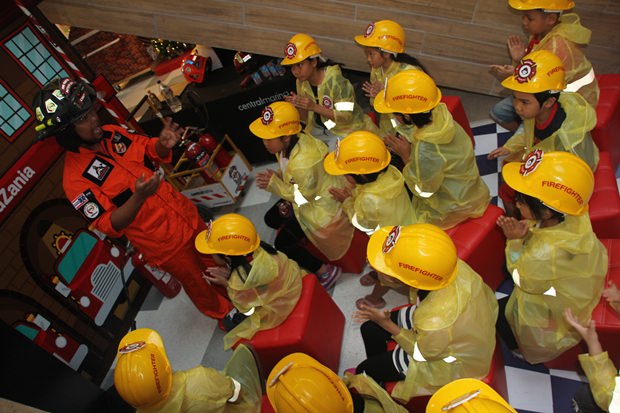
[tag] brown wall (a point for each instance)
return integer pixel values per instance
(455, 39)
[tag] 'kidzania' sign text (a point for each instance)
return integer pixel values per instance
(25, 174)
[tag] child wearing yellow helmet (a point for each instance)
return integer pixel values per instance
(378, 197)
(440, 167)
(300, 384)
(552, 30)
(553, 256)
(454, 335)
(384, 46)
(602, 393)
(552, 120)
(306, 210)
(262, 283)
(143, 377)
(324, 97)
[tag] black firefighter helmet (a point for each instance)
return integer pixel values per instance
(60, 103)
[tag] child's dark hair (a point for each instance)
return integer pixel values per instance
(410, 60)
(542, 97)
(367, 178)
(537, 207)
(241, 263)
(291, 145)
(418, 119)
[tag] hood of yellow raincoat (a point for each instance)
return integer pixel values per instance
(440, 131)
(388, 185)
(570, 28)
(442, 307)
(580, 118)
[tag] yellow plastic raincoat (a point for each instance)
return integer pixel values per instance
(376, 399)
(306, 185)
(573, 136)
(442, 172)
(565, 40)
(456, 321)
(272, 288)
(558, 267)
(379, 75)
(337, 93)
(206, 390)
(380, 203)
(601, 374)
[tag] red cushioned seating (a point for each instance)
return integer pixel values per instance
(315, 327)
(354, 260)
(604, 208)
(607, 320)
(606, 134)
(480, 243)
(458, 113)
(496, 378)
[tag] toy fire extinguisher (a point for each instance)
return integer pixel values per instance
(163, 281)
(199, 156)
(208, 143)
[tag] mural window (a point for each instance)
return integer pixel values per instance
(14, 115)
(33, 56)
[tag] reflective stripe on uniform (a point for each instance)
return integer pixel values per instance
(344, 106)
(581, 82)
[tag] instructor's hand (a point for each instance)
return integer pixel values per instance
(147, 187)
(170, 134)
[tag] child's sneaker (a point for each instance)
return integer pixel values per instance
(231, 320)
(330, 276)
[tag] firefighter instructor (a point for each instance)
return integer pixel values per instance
(111, 177)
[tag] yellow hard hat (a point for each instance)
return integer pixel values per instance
(360, 152)
(278, 119)
(561, 180)
(467, 396)
(551, 5)
(300, 384)
(420, 255)
(299, 48)
(538, 71)
(230, 234)
(409, 91)
(143, 376)
(387, 35)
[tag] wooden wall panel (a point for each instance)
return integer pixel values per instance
(462, 49)
(321, 8)
(453, 9)
(458, 39)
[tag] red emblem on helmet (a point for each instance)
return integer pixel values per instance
(327, 102)
(369, 29)
(290, 50)
(391, 239)
(267, 116)
(525, 71)
(531, 162)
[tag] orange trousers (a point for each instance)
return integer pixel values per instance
(187, 266)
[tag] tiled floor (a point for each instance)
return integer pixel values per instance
(192, 338)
